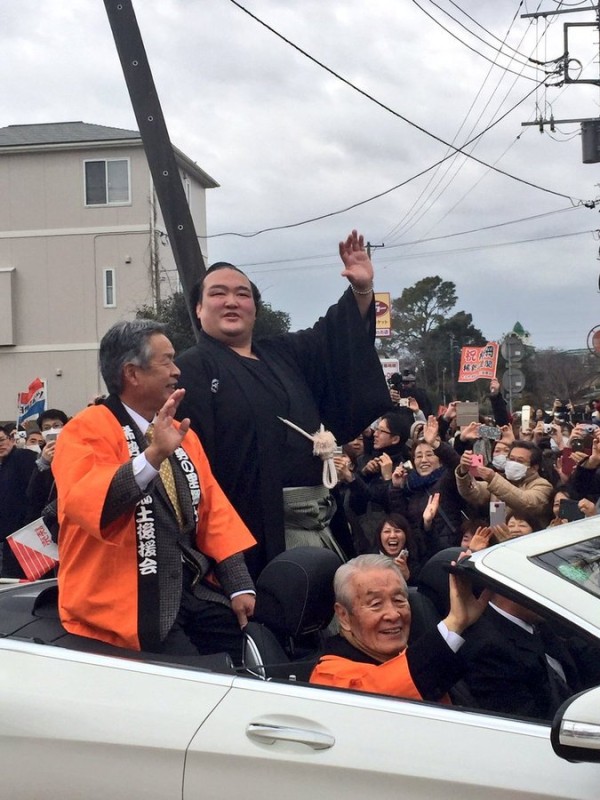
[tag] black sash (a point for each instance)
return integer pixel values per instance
(146, 526)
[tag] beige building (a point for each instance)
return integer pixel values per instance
(82, 245)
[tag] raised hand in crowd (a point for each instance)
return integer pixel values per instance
(431, 509)
(395, 396)
(587, 507)
(343, 467)
(556, 435)
(48, 451)
(431, 432)
(402, 561)
(450, 412)
(399, 476)
(508, 435)
(593, 461)
(494, 386)
(470, 432)
(372, 467)
(480, 539)
(386, 466)
(466, 465)
(413, 405)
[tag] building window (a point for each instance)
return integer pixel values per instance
(110, 289)
(107, 182)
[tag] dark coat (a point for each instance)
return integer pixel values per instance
(327, 374)
(446, 528)
(15, 473)
(507, 669)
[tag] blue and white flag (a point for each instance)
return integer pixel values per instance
(31, 403)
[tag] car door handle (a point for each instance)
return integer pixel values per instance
(269, 734)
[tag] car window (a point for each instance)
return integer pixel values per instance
(578, 563)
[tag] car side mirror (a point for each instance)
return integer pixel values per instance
(575, 732)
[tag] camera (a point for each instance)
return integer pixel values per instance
(395, 381)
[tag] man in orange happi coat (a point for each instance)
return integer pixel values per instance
(370, 653)
(151, 550)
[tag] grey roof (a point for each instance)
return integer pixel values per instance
(61, 133)
(66, 133)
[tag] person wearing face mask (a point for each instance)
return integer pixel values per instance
(34, 440)
(41, 491)
(522, 488)
(500, 456)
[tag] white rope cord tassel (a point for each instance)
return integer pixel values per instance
(324, 445)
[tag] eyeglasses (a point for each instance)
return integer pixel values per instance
(4, 439)
(383, 430)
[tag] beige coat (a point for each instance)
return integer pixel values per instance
(529, 497)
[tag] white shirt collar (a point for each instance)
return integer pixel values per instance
(520, 622)
(140, 421)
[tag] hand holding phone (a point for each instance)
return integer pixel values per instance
(569, 510)
(497, 513)
(476, 462)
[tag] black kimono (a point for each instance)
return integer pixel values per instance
(328, 374)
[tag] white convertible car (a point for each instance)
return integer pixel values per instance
(77, 724)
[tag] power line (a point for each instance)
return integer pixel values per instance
(394, 113)
(438, 253)
(418, 241)
(386, 191)
(418, 209)
(503, 42)
(468, 46)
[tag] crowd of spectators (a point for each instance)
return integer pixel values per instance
(485, 481)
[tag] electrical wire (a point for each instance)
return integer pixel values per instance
(523, 60)
(383, 262)
(394, 113)
(493, 226)
(503, 42)
(468, 46)
(390, 190)
(461, 165)
(417, 208)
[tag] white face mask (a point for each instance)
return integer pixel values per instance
(554, 446)
(514, 471)
(499, 461)
(35, 448)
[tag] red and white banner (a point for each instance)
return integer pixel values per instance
(34, 549)
(478, 362)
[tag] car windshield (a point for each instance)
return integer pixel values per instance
(578, 563)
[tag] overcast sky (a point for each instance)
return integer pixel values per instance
(288, 141)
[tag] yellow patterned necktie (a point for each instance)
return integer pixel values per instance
(168, 479)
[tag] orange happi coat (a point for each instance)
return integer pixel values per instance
(98, 574)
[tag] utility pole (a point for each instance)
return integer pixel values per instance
(158, 148)
(373, 246)
(451, 387)
(590, 126)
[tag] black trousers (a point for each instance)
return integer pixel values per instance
(203, 627)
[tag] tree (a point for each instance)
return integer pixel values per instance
(173, 313)
(440, 356)
(560, 375)
(426, 336)
(422, 308)
(270, 322)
